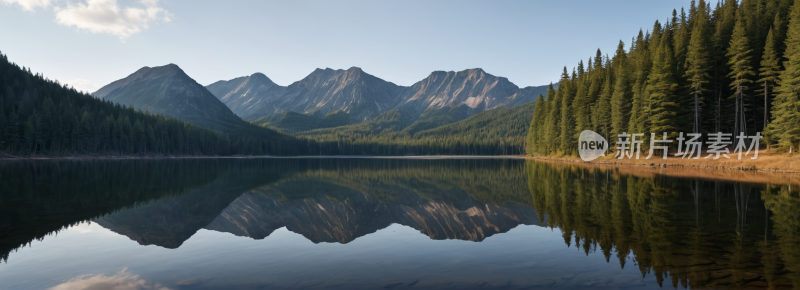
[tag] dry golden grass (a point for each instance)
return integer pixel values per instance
(769, 167)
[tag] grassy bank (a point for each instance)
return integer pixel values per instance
(761, 170)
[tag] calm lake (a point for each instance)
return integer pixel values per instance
(387, 223)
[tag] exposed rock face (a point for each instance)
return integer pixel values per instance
(473, 87)
(169, 91)
(365, 96)
(248, 96)
(352, 90)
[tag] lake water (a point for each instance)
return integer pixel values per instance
(387, 223)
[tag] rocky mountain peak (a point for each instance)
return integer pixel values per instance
(168, 90)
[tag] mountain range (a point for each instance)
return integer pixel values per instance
(339, 97)
(325, 98)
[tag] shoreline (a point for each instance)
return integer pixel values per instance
(774, 168)
(152, 157)
(768, 161)
(674, 167)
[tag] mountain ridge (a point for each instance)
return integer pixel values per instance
(363, 96)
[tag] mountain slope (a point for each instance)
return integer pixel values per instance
(246, 96)
(167, 90)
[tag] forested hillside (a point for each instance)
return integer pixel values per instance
(292, 122)
(499, 131)
(733, 67)
(40, 116)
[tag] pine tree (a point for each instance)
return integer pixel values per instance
(602, 117)
(785, 127)
(642, 63)
(533, 141)
(581, 109)
(724, 20)
(682, 38)
(552, 133)
(567, 116)
(662, 88)
(621, 98)
(770, 69)
(698, 63)
(740, 62)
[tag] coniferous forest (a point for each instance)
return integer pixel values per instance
(733, 67)
(40, 116)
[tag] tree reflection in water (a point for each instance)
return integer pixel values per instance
(690, 232)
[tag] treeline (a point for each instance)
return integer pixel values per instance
(40, 116)
(730, 68)
(499, 131)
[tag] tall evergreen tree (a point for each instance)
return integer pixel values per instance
(552, 133)
(602, 116)
(567, 117)
(698, 63)
(621, 98)
(581, 108)
(682, 38)
(534, 139)
(770, 70)
(740, 62)
(724, 20)
(642, 63)
(662, 88)
(785, 128)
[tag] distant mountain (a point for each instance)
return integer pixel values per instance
(473, 87)
(361, 96)
(167, 90)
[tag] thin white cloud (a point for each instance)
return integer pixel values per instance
(29, 5)
(106, 16)
(118, 281)
(83, 85)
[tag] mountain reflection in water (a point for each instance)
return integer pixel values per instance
(684, 232)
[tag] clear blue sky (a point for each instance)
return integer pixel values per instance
(90, 43)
